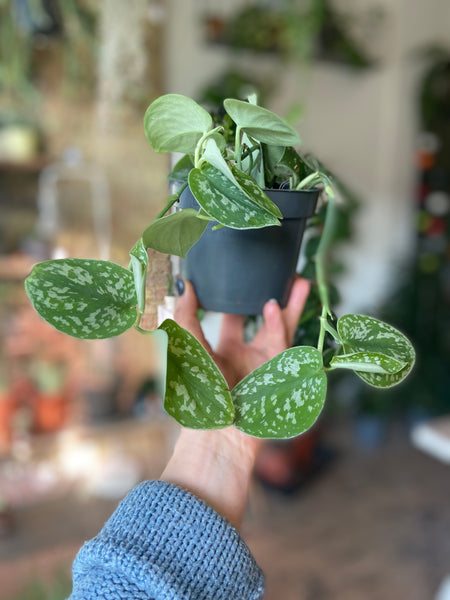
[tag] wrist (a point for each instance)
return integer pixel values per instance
(216, 466)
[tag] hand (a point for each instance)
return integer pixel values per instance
(216, 465)
(233, 355)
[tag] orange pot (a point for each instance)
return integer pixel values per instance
(8, 407)
(50, 411)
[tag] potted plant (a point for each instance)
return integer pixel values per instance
(227, 169)
(51, 400)
(8, 407)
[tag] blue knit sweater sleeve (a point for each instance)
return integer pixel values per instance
(164, 543)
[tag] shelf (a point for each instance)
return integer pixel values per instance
(30, 166)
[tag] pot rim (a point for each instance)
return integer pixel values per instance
(293, 204)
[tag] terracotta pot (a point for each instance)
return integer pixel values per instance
(8, 406)
(50, 411)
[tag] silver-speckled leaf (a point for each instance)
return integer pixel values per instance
(196, 393)
(226, 202)
(283, 397)
(88, 299)
(368, 362)
(255, 193)
(138, 266)
(360, 333)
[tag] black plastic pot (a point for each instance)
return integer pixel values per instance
(237, 271)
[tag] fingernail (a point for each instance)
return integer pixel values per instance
(273, 300)
(179, 284)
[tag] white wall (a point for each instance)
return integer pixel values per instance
(363, 125)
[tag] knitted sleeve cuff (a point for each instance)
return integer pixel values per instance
(163, 542)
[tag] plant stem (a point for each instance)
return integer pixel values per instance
(325, 241)
(200, 143)
(323, 320)
(237, 148)
(172, 199)
(203, 216)
(249, 151)
(144, 331)
(310, 181)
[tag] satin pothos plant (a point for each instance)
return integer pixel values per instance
(227, 167)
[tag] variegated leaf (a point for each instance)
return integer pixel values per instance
(255, 193)
(360, 333)
(89, 299)
(367, 362)
(283, 397)
(196, 393)
(226, 202)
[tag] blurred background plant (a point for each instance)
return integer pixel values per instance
(296, 31)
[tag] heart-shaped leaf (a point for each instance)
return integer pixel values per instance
(360, 333)
(261, 124)
(367, 362)
(175, 123)
(138, 266)
(176, 233)
(283, 397)
(89, 299)
(225, 202)
(196, 393)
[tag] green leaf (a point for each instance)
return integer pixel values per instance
(360, 333)
(255, 193)
(292, 163)
(88, 299)
(367, 362)
(226, 202)
(175, 123)
(213, 156)
(176, 233)
(261, 124)
(139, 266)
(196, 393)
(217, 136)
(283, 397)
(181, 170)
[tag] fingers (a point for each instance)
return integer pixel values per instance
(274, 329)
(186, 313)
(295, 306)
(231, 331)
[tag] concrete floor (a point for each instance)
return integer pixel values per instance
(374, 525)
